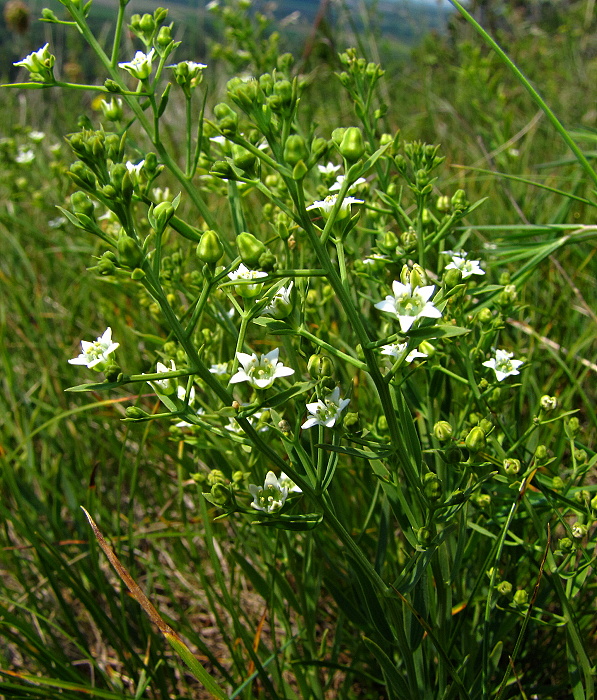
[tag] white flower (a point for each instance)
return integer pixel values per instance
(193, 68)
(135, 170)
(287, 482)
(375, 258)
(260, 372)
(340, 180)
(168, 385)
(24, 156)
(397, 349)
(280, 305)
(326, 205)
(466, 267)
(270, 497)
(94, 354)
(39, 64)
(181, 392)
(37, 136)
(247, 291)
(326, 412)
(409, 304)
(219, 368)
(140, 66)
(503, 365)
(329, 169)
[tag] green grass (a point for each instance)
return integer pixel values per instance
(274, 612)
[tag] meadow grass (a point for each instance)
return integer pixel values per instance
(436, 571)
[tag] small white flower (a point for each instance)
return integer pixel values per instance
(398, 349)
(326, 412)
(329, 169)
(247, 291)
(140, 67)
(95, 354)
(466, 267)
(270, 497)
(24, 156)
(280, 305)
(193, 68)
(219, 368)
(39, 64)
(181, 392)
(37, 136)
(326, 205)
(286, 481)
(409, 304)
(503, 365)
(260, 372)
(161, 195)
(340, 180)
(57, 222)
(168, 385)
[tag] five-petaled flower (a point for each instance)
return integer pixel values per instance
(326, 205)
(466, 267)
(260, 372)
(326, 412)
(503, 365)
(270, 497)
(399, 349)
(409, 304)
(95, 354)
(247, 291)
(140, 66)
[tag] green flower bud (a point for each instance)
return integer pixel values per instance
(319, 147)
(485, 316)
(82, 176)
(579, 530)
(572, 427)
(320, 366)
(209, 248)
(508, 296)
(541, 455)
(475, 440)
(137, 274)
(250, 249)
(283, 91)
(242, 158)
(443, 204)
(220, 495)
(557, 483)
(451, 278)
(511, 466)
(442, 430)
(486, 426)
(135, 413)
(459, 201)
(580, 456)
(129, 253)
(566, 545)
(424, 536)
(418, 276)
(164, 38)
(432, 486)
(548, 403)
(112, 110)
(295, 149)
(161, 215)
(521, 597)
(582, 497)
(266, 83)
(82, 204)
(352, 146)
(504, 588)
(483, 500)
(225, 114)
(223, 170)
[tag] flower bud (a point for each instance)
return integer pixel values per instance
(520, 597)
(443, 204)
(475, 440)
(82, 204)
(572, 427)
(566, 545)
(164, 38)
(319, 147)
(432, 486)
(242, 158)
(452, 277)
(541, 455)
(320, 366)
(223, 170)
(580, 456)
(220, 495)
(504, 588)
(557, 483)
(508, 296)
(548, 403)
(82, 176)
(112, 110)
(579, 530)
(485, 316)
(582, 497)
(135, 413)
(442, 430)
(295, 149)
(160, 215)
(459, 201)
(129, 253)
(483, 500)
(352, 146)
(486, 426)
(209, 248)
(418, 276)
(511, 466)
(250, 249)
(424, 536)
